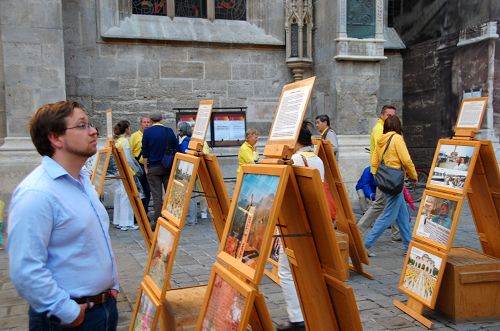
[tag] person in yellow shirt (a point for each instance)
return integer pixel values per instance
(248, 152)
(136, 149)
(378, 205)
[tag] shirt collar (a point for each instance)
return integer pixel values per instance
(55, 170)
(157, 124)
(326, 129)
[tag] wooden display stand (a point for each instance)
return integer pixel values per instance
(471, 285)
(346, 221)
(292, 198)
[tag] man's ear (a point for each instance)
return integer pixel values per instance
(55, 141)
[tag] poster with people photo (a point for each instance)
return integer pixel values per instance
(422, 273)
(453, 164)
(228, 302)
(180, 187)
(161, 257)
(253, 214)
(437, 219)
(146, 312)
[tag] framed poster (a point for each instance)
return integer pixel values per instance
(453, 165)
(100, 168)
(161, 257)
(202, 120)
(228, 302)
(422, 273)
(252, 217)
(109, 123)
(146, 311)
(180, 187)
(471, 113)
(437, 219)
(289, 115)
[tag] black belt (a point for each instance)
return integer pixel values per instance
(96, 299)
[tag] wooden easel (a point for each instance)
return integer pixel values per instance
(346, 221)
(300, 210)
(482, 192)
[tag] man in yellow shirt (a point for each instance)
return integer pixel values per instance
(378, 205)
(136, 149)
(248, 152)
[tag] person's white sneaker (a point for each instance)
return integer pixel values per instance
(370, 253)
(133, 227)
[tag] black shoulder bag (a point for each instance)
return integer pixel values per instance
(389, 180)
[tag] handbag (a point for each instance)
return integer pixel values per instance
(171, 148)
(389, 180)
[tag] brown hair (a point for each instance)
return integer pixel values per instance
(50, 119)
(120, 128)
(385, 107)
(393, 124)
(250, 132)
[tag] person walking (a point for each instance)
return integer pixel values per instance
(60, 256)
(392, 149)
(322, 123)
(159, 145)
(136, 149)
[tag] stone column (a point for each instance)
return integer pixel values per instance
(31, 33)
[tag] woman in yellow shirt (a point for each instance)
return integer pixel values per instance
(396, 156)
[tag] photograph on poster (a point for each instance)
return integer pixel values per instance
(146, 311)
(452, 166)
(437, 219)
(225, 307)
(250, 219)
(422, 272)
(161, 259)
(179, 188)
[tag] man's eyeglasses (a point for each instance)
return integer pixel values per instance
(82, 126)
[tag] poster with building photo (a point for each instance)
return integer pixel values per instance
(452, 164)
(422, 273)
(437, 219)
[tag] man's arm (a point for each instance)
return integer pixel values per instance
(30, 226)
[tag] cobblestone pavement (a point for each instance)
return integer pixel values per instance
(196, 254)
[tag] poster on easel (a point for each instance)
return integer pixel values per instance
(437, 219)
(422, 273)
(100, 168)
(288, 118)
(201, 125)
(451, 169)
(147, 310)
(252, 218)
(181, 184)
(471, 113)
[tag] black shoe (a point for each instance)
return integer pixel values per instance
(289, 326)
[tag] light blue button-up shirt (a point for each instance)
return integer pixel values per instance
(58, 242)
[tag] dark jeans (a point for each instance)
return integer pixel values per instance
(158, 181)
(102, 317)
(145, 187)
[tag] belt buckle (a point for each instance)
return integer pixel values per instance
(104, 297)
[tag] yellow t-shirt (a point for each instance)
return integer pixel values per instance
(246, 155)
(377, 132)
(136, 144)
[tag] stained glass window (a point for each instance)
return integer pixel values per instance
(230, 10)
(149, 7)
(294, 40)
(191, 8)
(361, 18)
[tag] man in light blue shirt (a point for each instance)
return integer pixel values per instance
(60, 256)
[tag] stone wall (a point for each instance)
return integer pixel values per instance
(138, 77)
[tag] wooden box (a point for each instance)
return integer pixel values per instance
(470, 290)
(181, 309)
(343, 243)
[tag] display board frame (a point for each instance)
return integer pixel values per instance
(103, 154)
(201, 124)
(416, 247)
(181, 188)
(145, 293)
(253, 273)
(242, 288)
(455, 203)
(288, 118)
(160, 288)
(449, 176)
(469, 112)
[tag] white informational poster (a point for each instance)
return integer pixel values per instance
(471, 114)
(289, 113)
(229, 128)
(202, 121)
(109, 124)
